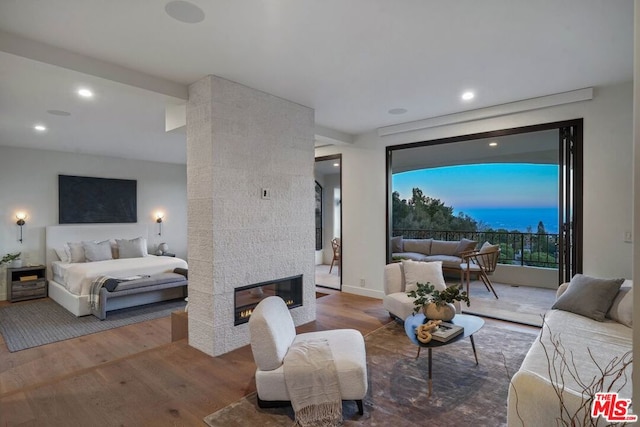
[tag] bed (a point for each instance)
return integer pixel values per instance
(70, 282)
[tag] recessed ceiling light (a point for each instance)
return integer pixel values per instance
(467, 96)
(40, 128)
(59, 113)
(184, 11)
(397, 111)
(493, 144)
(336, 165)
(85, 93)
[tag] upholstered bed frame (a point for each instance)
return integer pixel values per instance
(58, 235)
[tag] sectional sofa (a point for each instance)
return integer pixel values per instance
(587, 343)
(446, 251)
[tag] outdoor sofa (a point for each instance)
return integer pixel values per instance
(447, 251)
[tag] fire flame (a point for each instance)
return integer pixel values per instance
(247, 313)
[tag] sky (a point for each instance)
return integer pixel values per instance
(478, 186)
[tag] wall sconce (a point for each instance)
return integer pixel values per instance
(21, 217)
(159, 218)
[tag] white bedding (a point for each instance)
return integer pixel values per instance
(77, 277)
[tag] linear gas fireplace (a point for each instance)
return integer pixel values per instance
(247, 298)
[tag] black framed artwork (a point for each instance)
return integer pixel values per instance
(318, 216)
(87, 200)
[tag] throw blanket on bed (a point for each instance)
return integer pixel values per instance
(312, 383)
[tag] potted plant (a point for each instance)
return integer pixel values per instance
(14, 259)
(437, 304)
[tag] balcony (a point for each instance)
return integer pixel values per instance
(528, 259)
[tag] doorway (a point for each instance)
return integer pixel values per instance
(328, 183)
(558, 144)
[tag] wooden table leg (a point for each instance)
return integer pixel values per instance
(473, 345)
(430, 382)
(418, 355)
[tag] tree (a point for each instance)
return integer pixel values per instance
(422, 212)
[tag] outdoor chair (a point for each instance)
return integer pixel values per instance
(335, 245)
(480, 263)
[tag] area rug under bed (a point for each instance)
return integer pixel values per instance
(463, 394)
(42, 322)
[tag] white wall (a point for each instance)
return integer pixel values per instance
(607, 183)
(29, 182)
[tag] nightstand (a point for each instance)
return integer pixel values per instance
(26, 283)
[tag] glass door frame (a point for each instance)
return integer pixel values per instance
(570, 187)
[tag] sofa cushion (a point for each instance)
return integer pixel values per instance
(399, 304)
(422, 246)
(465, 245)
(397, 244)
(448, 261)
(589, 296)
(444, 247)
(414, 256)
(423, 272)
(622, 308)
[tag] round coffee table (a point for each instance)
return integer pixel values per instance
(471, 325)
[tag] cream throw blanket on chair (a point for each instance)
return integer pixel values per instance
(312, 383)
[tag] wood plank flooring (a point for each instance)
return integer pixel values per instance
(134, 375)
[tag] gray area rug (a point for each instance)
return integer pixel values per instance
(463, 394)
(44, 321)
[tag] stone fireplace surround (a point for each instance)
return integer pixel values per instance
(247, 298)
(239, 142)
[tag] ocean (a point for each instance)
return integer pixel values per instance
(516, 218)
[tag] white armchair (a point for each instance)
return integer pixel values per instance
(395, 300)
(273, 332)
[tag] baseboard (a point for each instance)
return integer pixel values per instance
(372, 293)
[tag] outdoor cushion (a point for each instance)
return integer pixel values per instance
(422, 246)
(397, 244)
(444, 247)
(465, 245)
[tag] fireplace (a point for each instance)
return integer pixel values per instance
(247, 297)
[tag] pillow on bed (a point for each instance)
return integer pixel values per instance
(115, 254)
(64, 254)
(97, 251)
(134, 248)
(76, 252)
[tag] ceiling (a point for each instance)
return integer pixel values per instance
(350, 61)
(540, 147)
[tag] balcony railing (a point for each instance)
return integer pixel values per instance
(516, 248)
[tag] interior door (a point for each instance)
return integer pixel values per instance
(570, 203)
(328, 176)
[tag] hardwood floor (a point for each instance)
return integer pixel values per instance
(134, 375)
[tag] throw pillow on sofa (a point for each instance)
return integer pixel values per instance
(622, 308)
(396, 244)
(422, 272)
(465, 245)
(589, 296)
